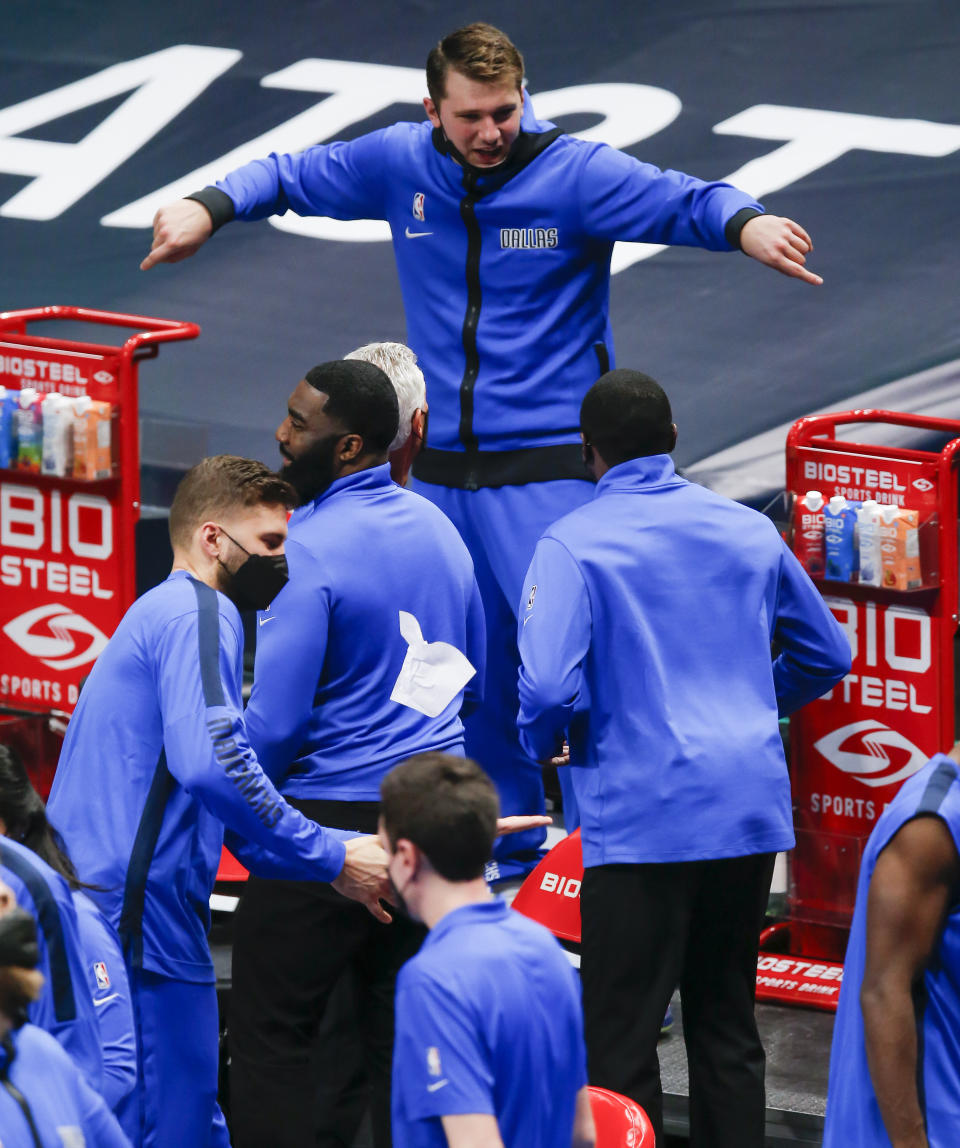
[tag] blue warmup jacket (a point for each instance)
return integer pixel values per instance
(488, 1020)
(329, 649)
(155, 761)
(505, 276)
(853, 1117)
(645, 631)
(65, 1109)
(110, 992)
(65, 1008)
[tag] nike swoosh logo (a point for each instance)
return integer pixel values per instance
(263, 621)
(438, 1084)
(105, 1000)
(527, 619)
(416, 234)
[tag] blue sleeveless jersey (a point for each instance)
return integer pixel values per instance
(853, 1115)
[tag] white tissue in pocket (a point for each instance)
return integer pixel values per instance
(432, 674)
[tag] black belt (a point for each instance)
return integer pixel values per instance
(471, 470)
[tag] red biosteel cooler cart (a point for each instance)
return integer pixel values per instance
(67, 562)
(852, 749)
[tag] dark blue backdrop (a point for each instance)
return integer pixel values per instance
(740, 350)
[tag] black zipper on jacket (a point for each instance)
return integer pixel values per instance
(472, 315)
(528, 147)
(21, 1100)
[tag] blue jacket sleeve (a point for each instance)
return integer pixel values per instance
(476, 653)
(110, 991)
(291, 648)
(344, 180)
(262, 863)
(814, 653)
(622, 198)
(206, 743)
(554, 637)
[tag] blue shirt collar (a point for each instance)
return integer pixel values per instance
(648, 473)
(372, 480)
(482, 912)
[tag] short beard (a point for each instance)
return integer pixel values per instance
(313, 471)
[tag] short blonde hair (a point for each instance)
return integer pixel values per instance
(480, 52)
(399, 364)
(223, 484)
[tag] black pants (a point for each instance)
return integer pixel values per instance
(649, 928)
(292, 942)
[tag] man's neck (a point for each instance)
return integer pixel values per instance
(203, 572)
(442, 897)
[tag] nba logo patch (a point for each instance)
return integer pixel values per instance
(433, 1061)
(103, 977)
(418, 206)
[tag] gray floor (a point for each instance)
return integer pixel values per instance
(797, 1043)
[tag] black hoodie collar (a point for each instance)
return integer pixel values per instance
(526, 148)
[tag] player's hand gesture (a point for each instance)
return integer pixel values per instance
(179, 229)
(779, 243)
(521, 822)
(364, 876)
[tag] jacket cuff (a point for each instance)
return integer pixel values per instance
(731, 231)
(220, 206)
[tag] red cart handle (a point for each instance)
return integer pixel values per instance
(824, 426)
(157, 330)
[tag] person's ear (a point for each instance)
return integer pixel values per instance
(673, 446)
(350, 449)
(408, 855)
(209, 538)
(587, 450)
(431, 109)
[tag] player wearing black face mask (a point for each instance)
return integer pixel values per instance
(255, 583)
(18, 948)
(157, 762)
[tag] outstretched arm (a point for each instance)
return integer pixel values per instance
(779, 243)
(343, 180)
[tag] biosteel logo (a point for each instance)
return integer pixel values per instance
(50, 633)
(862, 749)
(562, 886)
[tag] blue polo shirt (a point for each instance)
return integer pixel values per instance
(65, 1109)
(488, 1021)
(853, 1117)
